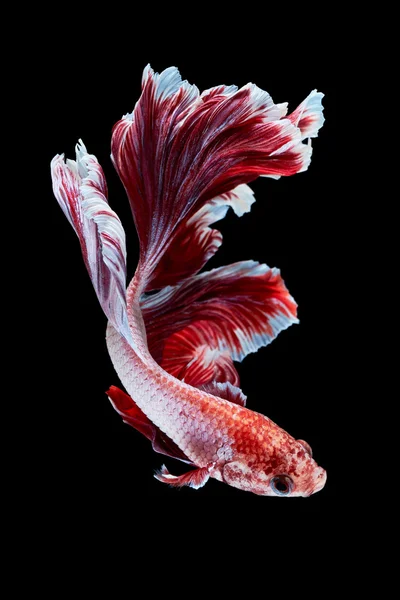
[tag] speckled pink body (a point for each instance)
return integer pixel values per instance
(242, 448)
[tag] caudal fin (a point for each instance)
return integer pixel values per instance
(180, 152)
(196, 329)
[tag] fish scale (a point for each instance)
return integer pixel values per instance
(192, 419)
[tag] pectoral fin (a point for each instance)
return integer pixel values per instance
(194, 479)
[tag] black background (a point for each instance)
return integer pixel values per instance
(90, 460)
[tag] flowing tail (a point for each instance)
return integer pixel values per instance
(185, 158)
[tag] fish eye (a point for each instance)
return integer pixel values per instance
(281, 485)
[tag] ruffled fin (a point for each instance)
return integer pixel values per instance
(178, 149)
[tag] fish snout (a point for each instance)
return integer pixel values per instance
(318, 481)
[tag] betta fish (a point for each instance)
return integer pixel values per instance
(174, 333)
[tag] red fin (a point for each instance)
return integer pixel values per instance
(132, 415)
(217, 317)
(178, 149)
(225, 390)
(194, 479)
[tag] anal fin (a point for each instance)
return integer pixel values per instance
(133, 416)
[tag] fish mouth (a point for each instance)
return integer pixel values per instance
(319, 481)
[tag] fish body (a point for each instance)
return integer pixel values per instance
(184, 159)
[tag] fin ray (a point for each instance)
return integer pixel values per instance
(216, 318)
(81, 191)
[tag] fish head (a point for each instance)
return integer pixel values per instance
(285, 467)
(294, 471)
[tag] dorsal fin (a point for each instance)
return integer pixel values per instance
(81, 191)
(225, 390)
